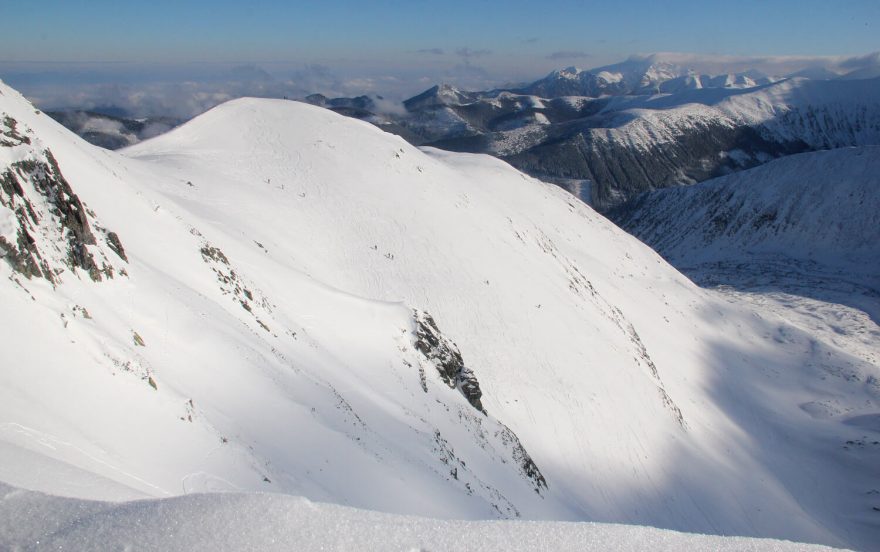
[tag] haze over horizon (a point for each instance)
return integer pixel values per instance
(180, 59)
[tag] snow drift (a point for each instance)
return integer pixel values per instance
(233, 522)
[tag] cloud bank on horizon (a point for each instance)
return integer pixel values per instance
(185, 90)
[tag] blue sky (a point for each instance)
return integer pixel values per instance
(55, 42)
(389, 31)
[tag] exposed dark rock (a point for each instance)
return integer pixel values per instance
(445, 356)
(10, 186)
(231, 284)
(9, 135)
(116, 245)
(23, 255)
(49, 181)
(214, 254)
(50, 217)
(522, 458)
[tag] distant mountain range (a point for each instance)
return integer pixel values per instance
(639, 75)
(610, 133)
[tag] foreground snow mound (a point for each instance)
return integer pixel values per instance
(313, 307)
(234, 522)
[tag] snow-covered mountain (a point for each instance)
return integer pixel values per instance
(642, 143)
(273, 297)
(433, 114)
(666, 127)
(639, 75)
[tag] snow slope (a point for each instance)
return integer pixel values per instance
(799, 235)
(234, 522)
(822, 207)
(263, 337)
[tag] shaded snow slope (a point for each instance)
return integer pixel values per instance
(269, 333)
(800, 234)
(822, 207)
(221, 522)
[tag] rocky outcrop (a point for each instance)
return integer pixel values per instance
(9, 135)
(116, 245)
(46, 225)
(445, 356)
(526, 465)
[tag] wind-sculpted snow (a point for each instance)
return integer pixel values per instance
(267, 522)
(282, 260)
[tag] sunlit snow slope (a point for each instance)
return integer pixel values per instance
(269, 329)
